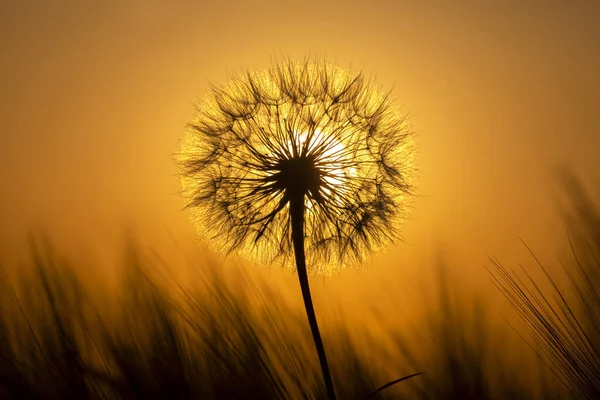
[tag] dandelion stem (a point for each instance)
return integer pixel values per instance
(297, 216)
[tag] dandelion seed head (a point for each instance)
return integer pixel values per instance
(298, 129)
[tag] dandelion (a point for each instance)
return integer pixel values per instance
(303, 164)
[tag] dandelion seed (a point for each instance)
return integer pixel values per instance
(301, 164)
(298, 129)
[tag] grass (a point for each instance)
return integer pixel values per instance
(154, 338)
(57, 342)
(67, 337)
(562, 322)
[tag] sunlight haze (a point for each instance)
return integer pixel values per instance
(95, 96)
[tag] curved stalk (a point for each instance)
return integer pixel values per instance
(387, 385)
(297, 216)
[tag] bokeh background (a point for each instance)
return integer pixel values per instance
(95, 95)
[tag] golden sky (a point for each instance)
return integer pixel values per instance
(95, 95)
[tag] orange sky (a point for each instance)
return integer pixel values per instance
(94, 99)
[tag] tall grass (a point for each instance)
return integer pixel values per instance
(60, 338)
(65, 335)
(465, 352)
(563, 321)
(56, 341)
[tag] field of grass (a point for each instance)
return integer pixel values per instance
(67, 337)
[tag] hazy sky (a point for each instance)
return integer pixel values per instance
(94, 96)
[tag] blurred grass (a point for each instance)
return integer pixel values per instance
(562, 321)
(66, 335)
(58, 342)
(156, 339)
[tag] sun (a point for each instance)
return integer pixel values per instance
(331, 161)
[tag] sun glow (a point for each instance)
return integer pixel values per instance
(331, 162)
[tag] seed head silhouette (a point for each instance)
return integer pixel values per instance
(303, 164)
(312, 133)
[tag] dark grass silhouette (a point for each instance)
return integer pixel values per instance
(59, 339)
(463, 359)
(63, 338)
(57, 342)
(563, 321)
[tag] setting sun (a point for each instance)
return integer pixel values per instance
(334, 169)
